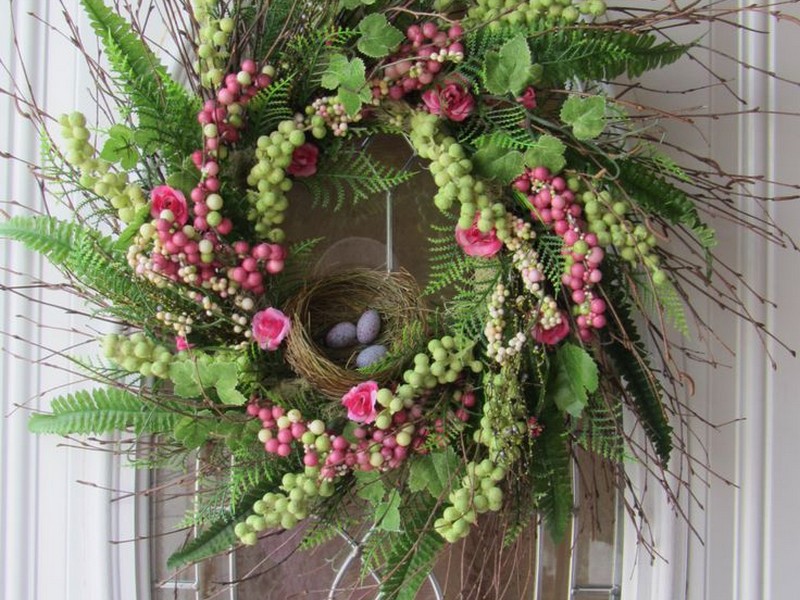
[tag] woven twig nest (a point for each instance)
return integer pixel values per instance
(326, 301)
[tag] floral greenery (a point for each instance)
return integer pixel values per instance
(552, 195)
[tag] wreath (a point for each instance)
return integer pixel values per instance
(418, 406)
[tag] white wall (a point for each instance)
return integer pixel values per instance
(747, 533)
(56, 514)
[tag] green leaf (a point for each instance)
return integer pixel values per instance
(509, 70)
(378, 37)
(574, 376)
(120, 147)
(184, 179)
(348, 77)
(353, 4)
(186, 384)
(495, 162)
(547, 151)
(193, 377)
(388, 513)
(193, 432)
(586, 115)
(370, 487)
(433, 472)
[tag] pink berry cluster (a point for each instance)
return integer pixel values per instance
(369, 449)
(222, 118)
(419, 60)
(252, 260)
(328, 111)
(554, 205)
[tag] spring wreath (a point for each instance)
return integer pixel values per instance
(364, 395)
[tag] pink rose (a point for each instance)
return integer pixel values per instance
(360, 402)
(476, 243)
(304, 161)
(553, 335)
(528, 98)
(270, 327)
(453, 102)
(164, 197)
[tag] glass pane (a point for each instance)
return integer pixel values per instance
(358, 236)
(595, 557)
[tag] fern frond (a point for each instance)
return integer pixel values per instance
(152, 93)
(640, 384)
(219, 536)
(662, 299)
(551, 469)
(321, 533)
(592, 53)
(92, 261)
(601, 431)
(270, 106)
(309, 54)
(659, 197)
(215, 539)
(352, 175)
(413, 553)
(550, 249)
(103, 410)
(49, 237)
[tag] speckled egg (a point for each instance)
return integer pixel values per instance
(370, 355)
(369, 327)
(341, 335)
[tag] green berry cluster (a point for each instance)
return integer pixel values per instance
(285, 510)
(445, 360)
(443, 363)
(268, 177)
(138, 354)
(96, 173)
(213, 40)
(478, 494)
(609, 219)
(451, 170)
(499, 13)
(503, 426)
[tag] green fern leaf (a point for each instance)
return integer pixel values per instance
(352, 175)
(103, 410)
(549, 248)
(551, 468)
(663, 299)
(601, 431)
(149, 88)
(659, 197)
(94, 262)
(219, 536)
(590, 53)
(640, 383)
(412, 554)
(49, 237)
(270, 106)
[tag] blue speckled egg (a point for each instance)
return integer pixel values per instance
(370, 355)
(369, 327)
(341, 335)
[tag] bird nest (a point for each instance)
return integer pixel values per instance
(326, 301)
